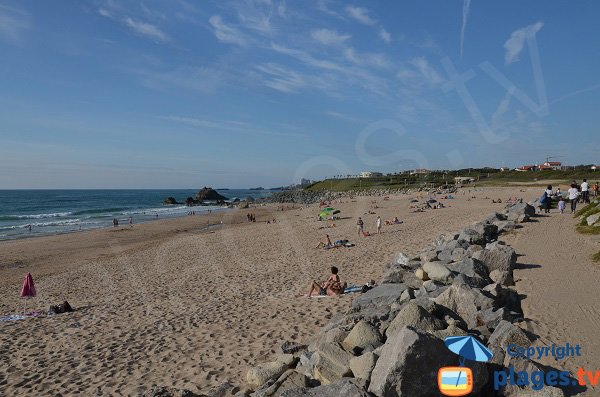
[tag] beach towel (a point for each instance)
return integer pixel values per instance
(352, 289)
(11, 318)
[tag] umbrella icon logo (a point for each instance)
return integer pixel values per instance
(458, 381)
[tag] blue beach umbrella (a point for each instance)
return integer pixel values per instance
(469, 348)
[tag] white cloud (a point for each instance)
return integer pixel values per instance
(514, 45)
(105, 13)
(146, 29)
(225, 33)
(384, 35)
(466, 8)
(13, 23)
(361, 15)
(366, 59)
(419, 72)
(281, 79)
(329, 37)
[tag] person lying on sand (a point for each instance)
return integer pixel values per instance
(331, 287)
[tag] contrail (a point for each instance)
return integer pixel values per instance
(466, 6)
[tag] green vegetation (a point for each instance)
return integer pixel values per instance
(588, 210)
(481, 176)
(596, 257)
(588, 229)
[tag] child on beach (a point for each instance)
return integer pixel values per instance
(561, 205)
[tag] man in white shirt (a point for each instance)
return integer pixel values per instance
(585, 192)
(573, 197)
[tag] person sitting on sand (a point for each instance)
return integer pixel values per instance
(333, 286)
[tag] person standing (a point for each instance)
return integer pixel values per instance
(360, 225)
(595, 189)
(573, 197)
(378, 224)
(585, 192)
(561, 205)
(548, 202)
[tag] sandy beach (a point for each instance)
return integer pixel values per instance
(176, 304)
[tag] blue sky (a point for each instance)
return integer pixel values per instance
(182, 94)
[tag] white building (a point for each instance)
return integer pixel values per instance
(369, 174)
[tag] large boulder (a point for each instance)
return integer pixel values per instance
(415, 316)
(500, 257)
(408, 366)
(362, 366)
(291, 379)
(438, 272)
(331, 363)
(521, 209)
(502, 277)
(466, 302)
(506, 334)
(362, 336)
(489, 231)
(380, 296)
(470, 267)
(260, 374)
(473, 236)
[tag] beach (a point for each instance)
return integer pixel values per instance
(178, 303)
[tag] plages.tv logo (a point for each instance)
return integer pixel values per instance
(458, 381)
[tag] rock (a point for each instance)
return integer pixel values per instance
(290, 379)
(260, 374)
(452, 330)
(292, 347)
(473, 248)
(547, 391)
(521, 209)
(495, 217)
(507, 333)
(421, 274)
(170, 201)
(592, 219)
(415, 316)
(488, 231)
(401, 259)
(394, 275)
(466, 302)
(332, 363)
(342, 388)
(491, 318)
(509, 298)
(362, 366)
(470, 267)
(502, 277)
(407, 295)
(430, 286)
(159, 391)
(209, 194)
(473, 282)
(381, 296)
(500, 258)
(445, 256)
(520, 365)
(458, 254)
(505, 226)
(429, 255)
(362, 336)
(438, 272)
(472, 236)
(409, 364)
(335, 335)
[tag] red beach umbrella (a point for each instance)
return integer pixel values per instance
(28, 289)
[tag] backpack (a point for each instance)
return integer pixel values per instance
(544, 198)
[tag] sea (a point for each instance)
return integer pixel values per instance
(51, 212)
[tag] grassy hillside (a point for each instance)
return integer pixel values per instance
(483, 177)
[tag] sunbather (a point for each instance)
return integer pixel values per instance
(331, 287)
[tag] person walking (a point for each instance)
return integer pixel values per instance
(585, 192)
(360, 225)
(573, 197)
(378, 224)
(561, 205)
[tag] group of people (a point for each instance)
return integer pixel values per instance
(575, 193)
(251, 217)
(116, 222)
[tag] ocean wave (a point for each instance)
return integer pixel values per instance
(98, 211)
(69, 222)
(34, 216)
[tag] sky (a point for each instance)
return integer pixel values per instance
(184, 94)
